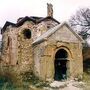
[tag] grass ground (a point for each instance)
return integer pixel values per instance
(86, 79)
(30, 82)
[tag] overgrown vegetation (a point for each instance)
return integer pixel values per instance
(86, 77)
(33, 80)
(28, 79)
(6, 83)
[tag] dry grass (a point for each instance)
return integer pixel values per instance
(86, 79)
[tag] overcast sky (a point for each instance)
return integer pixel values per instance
(11, 10)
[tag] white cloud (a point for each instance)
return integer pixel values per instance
(11, 10)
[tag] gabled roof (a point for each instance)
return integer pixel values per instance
(7, 24)
(34, 19)
(43, 19)
(18, 23)
(44, 36)
(24, 20)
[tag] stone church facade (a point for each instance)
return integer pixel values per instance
(49, 49)
(58, 48)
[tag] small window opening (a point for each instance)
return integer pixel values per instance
(8, 41)
(17, 63)
(48, 27)
(27, 33)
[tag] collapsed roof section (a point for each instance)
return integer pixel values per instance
(20, 21)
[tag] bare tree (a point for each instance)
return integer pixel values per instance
(81, 21)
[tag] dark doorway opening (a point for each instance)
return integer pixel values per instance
(60, 65)
(86, 66)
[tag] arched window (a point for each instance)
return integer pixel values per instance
(27, 33)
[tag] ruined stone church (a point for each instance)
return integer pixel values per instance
(51, 50)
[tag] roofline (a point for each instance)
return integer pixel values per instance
(75, 33)
(43, 39)
(23, 20)
(38, 42)
(48, 17)
(5, 26)
(56, 28)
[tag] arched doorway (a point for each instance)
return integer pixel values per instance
(60, 65)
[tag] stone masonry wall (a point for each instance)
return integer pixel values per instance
(18, 51)
(9, 46)
(42, 27)
(44, 55)
(44, 63)
(25, 53)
